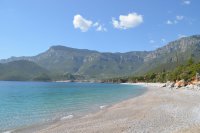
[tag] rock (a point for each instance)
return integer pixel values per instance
(168, 83)
(190, 87)
(196, 82)
(172, 84)
(165, 85)
(180, 83)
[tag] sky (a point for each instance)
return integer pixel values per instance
(29, 27)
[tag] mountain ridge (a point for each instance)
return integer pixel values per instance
(97, 65)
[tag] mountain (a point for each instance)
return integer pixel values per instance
(173, 54)
(90, 64)
(21, 70)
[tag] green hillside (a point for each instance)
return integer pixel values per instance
(21, 70)
(186, 72)
(88, 64)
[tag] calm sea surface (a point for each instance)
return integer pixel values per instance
(27, 103)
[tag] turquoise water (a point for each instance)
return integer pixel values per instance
(27, 103)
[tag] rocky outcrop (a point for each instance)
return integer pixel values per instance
(193, 85)
(180, 83)
(169, 84)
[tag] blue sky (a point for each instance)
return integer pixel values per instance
(29, 27)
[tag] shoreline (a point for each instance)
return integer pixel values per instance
(157, 110)
(69, 117)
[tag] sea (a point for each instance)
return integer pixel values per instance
(24, 104)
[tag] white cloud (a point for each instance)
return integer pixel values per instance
(186, 2)
(179, 17)
(181, 36)
(151, 41)
(95, 24)
(162, 40)
(169, 22)
(101, 28)
(82, 23)
(127, 21)
(175, 22)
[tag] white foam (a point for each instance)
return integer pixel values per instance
(103, 106)
(67, 117)
(8, 132)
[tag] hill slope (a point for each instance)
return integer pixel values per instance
(91, 64)
(21, 70)
(173, 54)
(94, 64)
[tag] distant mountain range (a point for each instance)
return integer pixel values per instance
(60, 62)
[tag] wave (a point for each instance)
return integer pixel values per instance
(67, 117)
(103, 106)
(8, 131)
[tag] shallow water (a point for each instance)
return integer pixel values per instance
(27, 103)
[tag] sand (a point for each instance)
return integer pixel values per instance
(159, 110)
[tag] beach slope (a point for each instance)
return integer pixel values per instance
(159, 110)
